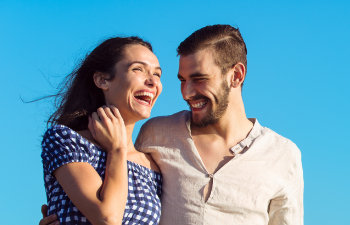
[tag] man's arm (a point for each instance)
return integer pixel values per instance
(287, 208)
(48, 220)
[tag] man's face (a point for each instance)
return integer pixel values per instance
(203, 87)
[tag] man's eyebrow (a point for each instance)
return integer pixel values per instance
(143, 63)
(193, 75)
(197, 75)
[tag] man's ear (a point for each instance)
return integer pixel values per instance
(238, 75)
(101, 81)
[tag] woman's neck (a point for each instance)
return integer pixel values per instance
(129, 129)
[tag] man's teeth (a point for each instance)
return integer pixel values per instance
(198, 105)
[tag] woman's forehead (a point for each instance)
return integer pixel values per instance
(141, 54)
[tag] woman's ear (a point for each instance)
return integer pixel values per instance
(238, 75)
(101, 81)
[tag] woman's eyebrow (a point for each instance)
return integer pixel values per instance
(143, 63)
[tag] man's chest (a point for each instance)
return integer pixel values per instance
(238, 187)
(213, 155)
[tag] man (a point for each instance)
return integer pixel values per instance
(218, 166)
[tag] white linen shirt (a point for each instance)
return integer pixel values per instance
(261, 185)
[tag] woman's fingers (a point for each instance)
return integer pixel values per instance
(116, 113)
(92, 127)
(108, 129)
(109, 113)
(95, 117)
(102, 115)
(96, 121)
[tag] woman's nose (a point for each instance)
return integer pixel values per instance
(150, 81)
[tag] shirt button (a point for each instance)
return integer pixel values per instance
(210, 175)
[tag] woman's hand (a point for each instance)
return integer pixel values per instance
(108, 129)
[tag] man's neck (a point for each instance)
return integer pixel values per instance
(214, 141)
(232, 127)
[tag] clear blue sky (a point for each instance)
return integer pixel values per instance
(297, 83)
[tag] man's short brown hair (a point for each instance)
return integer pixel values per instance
(226, 41)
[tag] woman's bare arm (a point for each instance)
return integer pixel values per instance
(100, 202)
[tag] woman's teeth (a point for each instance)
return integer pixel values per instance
(145, 96)
(144, 93)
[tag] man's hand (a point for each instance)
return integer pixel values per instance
(48, 220)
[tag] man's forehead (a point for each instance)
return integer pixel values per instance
(196, 62)
(204, 55)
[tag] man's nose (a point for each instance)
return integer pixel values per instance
(187, 90)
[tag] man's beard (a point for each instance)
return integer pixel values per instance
(221, 101)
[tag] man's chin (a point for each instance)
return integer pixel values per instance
(202, 122)
(196, 119)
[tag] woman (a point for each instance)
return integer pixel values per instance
(93, 173)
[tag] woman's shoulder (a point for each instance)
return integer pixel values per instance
(58, 130)
(63, 136)
(62, 145)
(143, 159)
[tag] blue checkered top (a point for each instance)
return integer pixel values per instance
(62, 145)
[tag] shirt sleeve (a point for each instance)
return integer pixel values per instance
(287, 208)
(144, 137)
(61, 145)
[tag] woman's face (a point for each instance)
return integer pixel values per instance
(136, 84)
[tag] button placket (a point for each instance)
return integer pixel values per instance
(210, 188)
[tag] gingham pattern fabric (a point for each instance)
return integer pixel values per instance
(62, 145)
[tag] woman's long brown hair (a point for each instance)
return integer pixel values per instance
(78, 95)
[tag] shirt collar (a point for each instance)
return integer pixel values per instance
(245, 143)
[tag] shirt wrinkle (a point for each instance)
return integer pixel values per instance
(243, 191)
